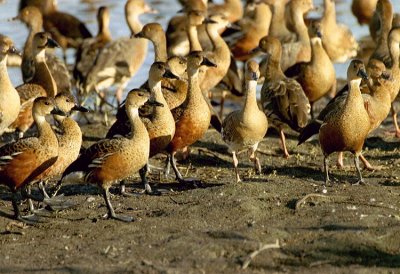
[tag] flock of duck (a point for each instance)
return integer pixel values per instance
(198, 54)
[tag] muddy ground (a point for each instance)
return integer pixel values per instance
(350, 229)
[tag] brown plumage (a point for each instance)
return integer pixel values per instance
(363, 10)
(159, 123)
(193, 116)
(32, 18)
(9, 97)
(42, 84)
(282, 98)
(345, 128)
(246, 127)
(318, 76)
(23, 161)
(112, 160)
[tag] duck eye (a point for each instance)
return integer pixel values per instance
(47, 103)
(140, 94)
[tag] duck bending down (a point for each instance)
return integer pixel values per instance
(112, 160)
(21, 162)
(283, 99)
(246, 127)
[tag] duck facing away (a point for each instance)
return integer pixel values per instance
(9, 97)
(21, 162)
(283, 99)
(112, 160)
(246, 127)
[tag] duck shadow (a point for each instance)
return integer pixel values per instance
(381, 144)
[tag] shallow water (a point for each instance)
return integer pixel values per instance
(87, 12)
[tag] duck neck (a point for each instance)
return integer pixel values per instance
(44, 128)
(156, 90)
(278, 18)
(134, 23)
(395, 54)
(299, 26)
(5, 82)
(193, 38)
(354, 91)
(236, 8)
(273, 68)
(194, 91)
(317, 52)
(104, 29)
(329, 16)
(219, 44)
(160, 48)
(34, 27)
(137, 126)
(43, 75)
(250, 103)
(262, 18)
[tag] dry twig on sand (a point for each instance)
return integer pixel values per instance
(253, 254)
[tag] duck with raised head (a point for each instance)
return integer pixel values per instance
(160, 123)
(278, 28)
(363, 10)
(42, 83)
(89, 49)
(9, 97)
(245, 128)
(21, 162)
(317, 77)
(192, 118)
(338, 40)
(283, 99)
(346, 128)
(113, 160)
(119, 61)
(174, 90)
(231, 9)
(32, 17)
(69, 138)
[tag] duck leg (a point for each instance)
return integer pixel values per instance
(235, 164)
(222, 102)
(395, 122)
(312, 110)
(339, 162)
(192, 181)
(283, 143)
(147, 188)
(123, 191)
(326, 171)
(111, 212)
(254, 159)
(357, 165)
(43, 189)
(367, 165)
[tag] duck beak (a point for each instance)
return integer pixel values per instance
(51, 43)
(80, 108)
(152, 102)
(363, 74)
(208, 63)
(14, 18)
(57, 111)
(386, 75)
(170, 75)
(14, 50)
(138, 35)
(254, 76)
(319, 34)
(255, 50)
(234, 26)
(209, 21)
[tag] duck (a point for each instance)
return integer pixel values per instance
(22, 161)
(65, 28)
(90, 47)
(252, 29)
(120, 59)
(363, 10)
(232, 10)
(192, 118)
(377, 100)
(112, 160)
(278, 28)
(283, 99)
(32, 17)
(338, 40)
(69, 138)
(317, 77)
(174, 90)
(9, 97)
(42, 84)
(160, 124)
(245, 128)
(346, 128)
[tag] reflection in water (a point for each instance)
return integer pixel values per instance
(86, 11)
